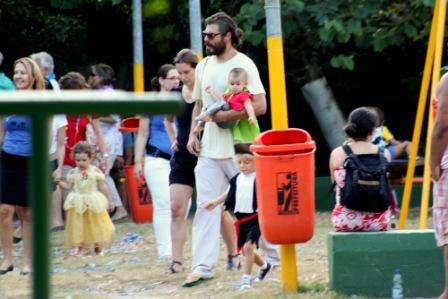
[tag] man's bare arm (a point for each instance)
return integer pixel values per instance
(439, 138)
(194, 145)
(196, 111)
(259, 104)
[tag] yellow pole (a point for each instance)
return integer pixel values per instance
(441, 15)
(279, 117)
(279, 110)
(419, 120)
(139, 84)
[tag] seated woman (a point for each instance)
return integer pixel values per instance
(359, 129)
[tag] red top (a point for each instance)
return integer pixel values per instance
(76, 131)
(236, 101)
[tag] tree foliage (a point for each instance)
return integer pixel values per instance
(339, 31)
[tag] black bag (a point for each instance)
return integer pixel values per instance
(366, 186)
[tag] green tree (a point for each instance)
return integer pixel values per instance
(321, 34)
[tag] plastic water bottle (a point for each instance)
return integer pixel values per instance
(397, 287)
(393, 222)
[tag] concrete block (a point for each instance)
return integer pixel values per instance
(362, 263)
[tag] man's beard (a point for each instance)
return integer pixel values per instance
(216, 49)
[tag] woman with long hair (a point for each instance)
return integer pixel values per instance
(16, 151)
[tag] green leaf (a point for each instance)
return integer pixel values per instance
(335, 62)
(296, 5)
(343, 62)
(156, 8)
(379, 40)
(354, 26)
(410, 30)
(254, 37)
(337, 25)
(325, 34)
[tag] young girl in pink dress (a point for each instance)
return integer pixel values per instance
(237, 97)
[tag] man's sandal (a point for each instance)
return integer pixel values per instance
(175, 267)
(194, 279)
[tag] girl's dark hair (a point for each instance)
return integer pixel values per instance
(242, 148)
(73, 80)
(226, 24)
(105, 72)
(83, 147)
(186, 56)
(361, 123)
(161, 73)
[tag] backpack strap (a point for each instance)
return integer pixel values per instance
(348, 151)
(382, 156)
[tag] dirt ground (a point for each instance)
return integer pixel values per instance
(132, 270)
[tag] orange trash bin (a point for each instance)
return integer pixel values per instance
(139, 197)
(138, 192)
(129, 124)
(284, 164)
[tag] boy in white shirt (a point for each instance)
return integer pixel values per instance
(241, 200)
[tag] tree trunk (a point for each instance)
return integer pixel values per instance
(321, 100)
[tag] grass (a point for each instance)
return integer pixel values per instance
(141, 275)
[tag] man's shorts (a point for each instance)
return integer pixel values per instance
(182, 168)
(440, 209)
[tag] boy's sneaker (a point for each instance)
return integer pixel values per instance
(263, 272)
(246, 283)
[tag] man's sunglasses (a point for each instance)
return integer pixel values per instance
(210, 35)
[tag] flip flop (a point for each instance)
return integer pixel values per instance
(112, 213)
(16, 240)
(57, 228)
(172, 269)
(194, 280)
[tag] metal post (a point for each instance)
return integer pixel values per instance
(279, 116)
(419, 120)
(195, 27)
(40, 204)
(139, 81)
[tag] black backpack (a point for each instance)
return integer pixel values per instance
(366, 186)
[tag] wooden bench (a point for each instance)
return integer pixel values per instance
(397, 171)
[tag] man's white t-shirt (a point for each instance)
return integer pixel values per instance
(217, 143)
(58, 121)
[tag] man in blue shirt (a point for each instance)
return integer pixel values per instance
(5, 82)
